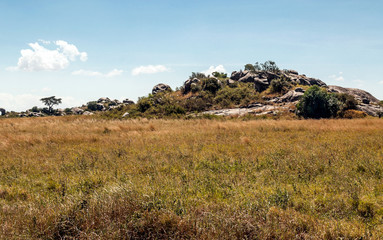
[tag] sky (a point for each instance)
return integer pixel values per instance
(81, 50)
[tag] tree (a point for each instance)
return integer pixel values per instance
(317, 103)
(50, 102)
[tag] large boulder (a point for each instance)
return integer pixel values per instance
(2, 112)
(360, 95)
(189, 84)
(160, 88)
(260, 81)
(236, 75)
(292, 96)
(103, 100)
(127, 101)
(77, 111)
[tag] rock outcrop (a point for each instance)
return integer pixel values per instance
(188, 85)
(262, 79)
(291, 96)
(360, 95)
(160, 88)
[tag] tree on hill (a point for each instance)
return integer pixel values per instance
(317, 103)
(50, 102)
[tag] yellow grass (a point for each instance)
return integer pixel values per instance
(86, 178)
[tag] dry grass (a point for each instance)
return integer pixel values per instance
(85, 178)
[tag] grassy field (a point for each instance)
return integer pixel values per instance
(84, 178)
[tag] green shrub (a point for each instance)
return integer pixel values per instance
(35, 109)
(219, 74)
(346, 102)
(92, 106)
(211, 85)
(144, 103)
(228, 96)
(198, 103)
(317, 103)
(280, 85)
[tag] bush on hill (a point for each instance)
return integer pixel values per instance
(280, 85)
(317, 103)
(229, 96)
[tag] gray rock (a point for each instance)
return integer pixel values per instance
(236, 75)
(298, 89)
(292, 72)
(291, 96)
(260, 80)
(160, 88)
(127, 101)
(189, 83)
(360, 95)
(77, 111)
(2, 112)
(372, 110)
(100, 107)
(87, 113)
(103, 100)
(125, 115)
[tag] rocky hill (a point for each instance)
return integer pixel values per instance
(256, 91)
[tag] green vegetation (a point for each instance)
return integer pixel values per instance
(280, 85)
(269, 66)
(317, 103)
(88, 178)
(230, 96)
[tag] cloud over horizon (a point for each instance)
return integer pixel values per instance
(219, 68)
(150, 69)
(113, 73)
(40, 58)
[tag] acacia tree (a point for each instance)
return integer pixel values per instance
(50, 102)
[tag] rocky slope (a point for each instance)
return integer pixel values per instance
(261, 81)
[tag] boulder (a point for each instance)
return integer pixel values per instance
(77, 111)
(100, 107)
(236, 75)
(260, 80)
(160, 88)
(292, 72)
(127, 101)
(125, 115)
(87, 113)
(291, 96)
(103, 100)
(2, 112)
(372, 110)
(189, 83)
(360, 95)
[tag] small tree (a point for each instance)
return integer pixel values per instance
(50, 102)
(317, 103)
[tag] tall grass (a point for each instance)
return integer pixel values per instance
(85, 178)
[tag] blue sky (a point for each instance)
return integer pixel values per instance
(85, 49)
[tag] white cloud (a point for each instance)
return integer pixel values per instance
(212, 69)
(381, 82)
(337, 77)
(40, 58)
(86, 73)
(150, 69)
(114, 72)
(22, 102)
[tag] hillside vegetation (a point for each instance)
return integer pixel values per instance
(88, 178)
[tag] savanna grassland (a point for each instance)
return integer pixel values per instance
(87, 178)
